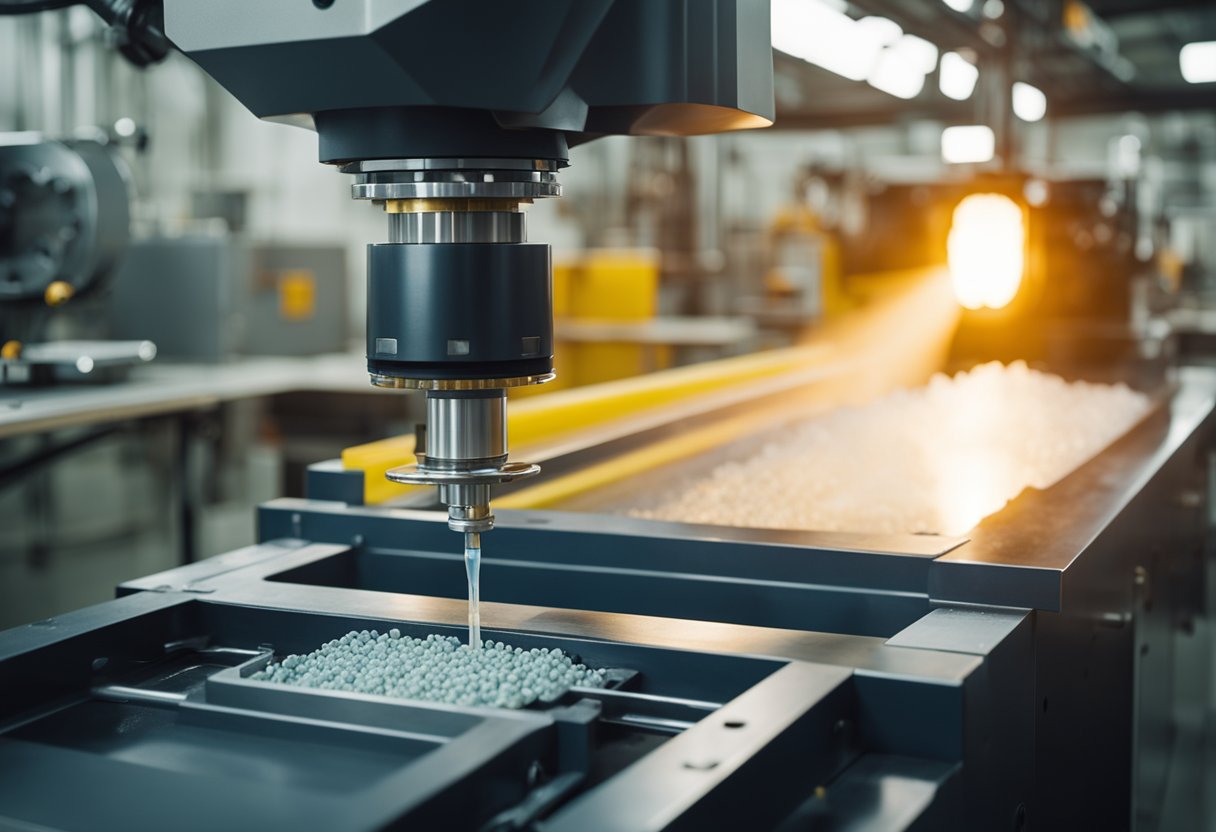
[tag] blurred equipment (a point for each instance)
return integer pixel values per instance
(803, 283)
(211, 297)
(986, 250)
(1192, 248)
(73, 361)
(136, 27)
(64, 216)
(1048, 271)
(64, 226)
(607, 324)
(602, 286)
(184, 293)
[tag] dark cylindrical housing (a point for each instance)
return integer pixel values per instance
(459, 310)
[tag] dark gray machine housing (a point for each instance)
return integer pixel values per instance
(212, 297)
(463, 310)
(472, 89)
(465, 78)
(64, 214)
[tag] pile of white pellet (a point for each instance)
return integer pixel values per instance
(435, 669)
(938, 459)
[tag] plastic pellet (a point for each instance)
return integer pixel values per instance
(434, 669)
(936, 459)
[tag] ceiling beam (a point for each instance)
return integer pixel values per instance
(1135, 100)
(1127, 8)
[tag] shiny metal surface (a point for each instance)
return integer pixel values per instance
(738, 708)
(157, 388)
(466, 439)
(466, 431)
(470, 518)
(1035, 552)
(919, 547)
(252, 586)
(1049, 713)
(396, 383)
(457, 227)
(1020, 557)
(419, 206)
(465, 454)
(467, 502)
(456, 184)
(455, 190)
(620, 565)
(466, 435)
(386, 165)
(415, 475)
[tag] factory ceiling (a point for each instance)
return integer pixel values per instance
(1094, 57)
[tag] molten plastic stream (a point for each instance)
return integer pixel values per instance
(472, 567)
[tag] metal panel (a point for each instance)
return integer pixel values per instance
(193, 749)
(1022, 556)
(747, 576)
(183, 294)
(316, 325)
(779, 734)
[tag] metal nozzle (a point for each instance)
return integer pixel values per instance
(471, 519)
(465, 454)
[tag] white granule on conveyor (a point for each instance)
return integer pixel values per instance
(937, 459)
(435, 669)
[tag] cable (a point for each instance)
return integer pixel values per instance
(138, 24)
(31, 6)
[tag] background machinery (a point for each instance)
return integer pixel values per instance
(1042, 665)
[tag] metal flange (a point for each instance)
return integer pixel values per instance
(458, 384)
(508, 472)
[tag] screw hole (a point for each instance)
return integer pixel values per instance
(734, 723)
(536, 773)
(322, 4)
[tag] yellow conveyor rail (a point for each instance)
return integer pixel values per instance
(897, 340)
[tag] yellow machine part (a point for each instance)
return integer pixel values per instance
(297, 294)
(604, 285)
(615, 285)
(799, 220)
(568, 411)
(898, 340)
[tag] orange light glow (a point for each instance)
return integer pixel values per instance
(986, 251)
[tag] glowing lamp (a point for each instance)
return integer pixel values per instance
(986, 251)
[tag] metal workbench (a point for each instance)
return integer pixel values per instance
(1021, 677)
(165, 388)
(71, 417)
